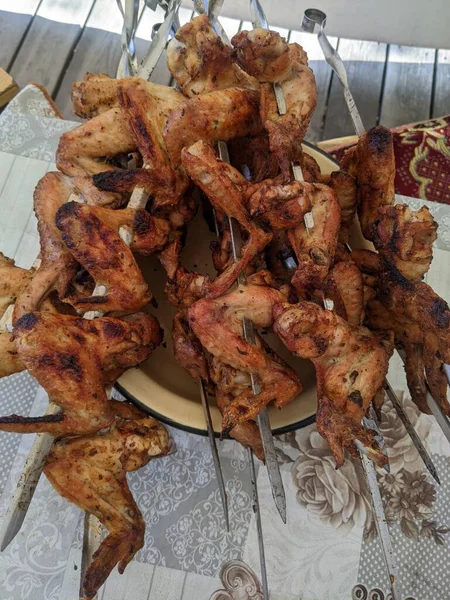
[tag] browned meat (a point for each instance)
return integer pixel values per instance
(218, 326)
(404, 237)
(350, 364)
(201, 63)
(106, 257)
(74, 359)
(94, 94)
(224, 187)
(90, 471)
(266, 55)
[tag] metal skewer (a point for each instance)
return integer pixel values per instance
(273, 468)
(314, 20)
(128, 61)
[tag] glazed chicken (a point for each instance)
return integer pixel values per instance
(74, 359)
(224, 187)
(90, 471)
(266, 55)
(351, 364)
(404, 237)
(217, 323)
(372, 162)
(101, 251)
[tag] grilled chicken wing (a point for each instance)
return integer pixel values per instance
(58, 267)
(146, 108)
(90, 471)
(350, 364)
(373, 164)
(224, 187)
(218, 326)
(420, 320)
(200, 62)
(73, 359)
(266, 55)
(404, 237)
(80, 152)
(106, 257)
(94, 94)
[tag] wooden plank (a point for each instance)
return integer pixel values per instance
(322, 73)
(441, 104)
(49, 42)
(15, 17)
(408, 85)
(365, 63)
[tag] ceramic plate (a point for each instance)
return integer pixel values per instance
(164, 389)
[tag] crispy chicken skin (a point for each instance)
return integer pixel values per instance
(73, 359)
(200, 62)
(80, 152)
(187, 349)
(345, 188)
(10, 361)
(147, 108)
(420, 320)
(345, 287)
(219, 115)
(315, 247)
(405, 237)
(58, 267)
(90, 471)
(373, 164)
(106, 257)
(13, 280)
(351, 364)
(217, 323)
(224, 187)
(266, 55)
(94, 94)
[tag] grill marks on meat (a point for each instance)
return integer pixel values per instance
(90, 471)
(351, 364)
(404, 237)
(74, 359)
(106, 257)
(372, 162)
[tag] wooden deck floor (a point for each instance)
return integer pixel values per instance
(54, 42)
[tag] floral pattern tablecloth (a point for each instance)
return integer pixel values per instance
(329, 549)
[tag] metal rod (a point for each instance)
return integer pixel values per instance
(381, 524)
(92, 538)
(412, 432)
(259, 531)
(128, 61)
(215, 454)
(273, 467)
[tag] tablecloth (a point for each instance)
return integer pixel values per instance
(328, 550)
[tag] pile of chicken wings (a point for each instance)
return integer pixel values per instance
(295, 256)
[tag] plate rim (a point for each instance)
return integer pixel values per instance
(204, 432)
